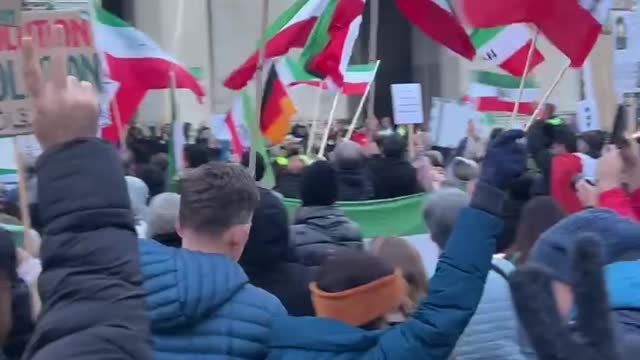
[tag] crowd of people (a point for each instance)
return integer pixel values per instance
(537, 259)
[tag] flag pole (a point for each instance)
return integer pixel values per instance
(524, 78)
(352, 127)
(212, 79)
(374, 17)
(259, 81)
(314, 121)
(327, 130)
(548, 93)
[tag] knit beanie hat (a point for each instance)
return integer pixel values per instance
(163, 214)
(319, 184)
(357, 288)
(619, 236)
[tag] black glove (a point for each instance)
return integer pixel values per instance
(591, 338)
(505, 161)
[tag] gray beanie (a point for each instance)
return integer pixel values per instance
(553, 250)
(163, 214)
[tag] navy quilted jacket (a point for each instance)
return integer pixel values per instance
(202, 306)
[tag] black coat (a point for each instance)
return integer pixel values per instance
(354, 184)
(289, 185)
(394, 178)
(93, 305)
(269, 260)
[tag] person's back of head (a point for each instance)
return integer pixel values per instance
(163, 215)
(138, 196)
(160, 161)
(538, 215)
(348, 155)
(436, 158)
(357, 288)
(441, 213)
(218, 200)
(260, 164)
(394, 146)
(196, 155)
(319, 184)
(153, 178)
(565, 139)
(400, 254)
(591, 143)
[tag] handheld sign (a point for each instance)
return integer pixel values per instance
(407, 104)
(83, 61)
(10, 12)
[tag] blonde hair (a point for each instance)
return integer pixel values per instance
(400, 254)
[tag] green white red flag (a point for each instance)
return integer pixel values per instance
(507, 47)
(492, 92)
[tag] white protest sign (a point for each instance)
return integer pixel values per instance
(109, 89)
(83, 61)
(587, 116)
(10, 12)
(407, 104)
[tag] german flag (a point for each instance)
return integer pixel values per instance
(276, 110)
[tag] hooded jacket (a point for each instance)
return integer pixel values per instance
(320, 230)
(434, 328)
(270, 261)
(393, 177)
(619, 236)
(90, 286)
(202, 305)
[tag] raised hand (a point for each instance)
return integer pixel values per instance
(64, 108)
(592, 337)
(505, 161)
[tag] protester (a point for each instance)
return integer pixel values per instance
(393, 176)
(492, 332)
(269, 258)
(8, 277)
(138, 196)
(163, 219)
(473, 146)
(320, 227)
(90, 257)
(455, 290)
(538, 215)
(195, 155)
(153, 178)
(354, 182)
(592, 335)
(200, 301)
(617, 236)
(400, 254)
(290, 179)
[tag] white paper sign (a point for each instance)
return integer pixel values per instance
(407, 104)
(587, 116)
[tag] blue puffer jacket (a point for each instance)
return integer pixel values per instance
(431, 333)
(493, 331)
(202, 306)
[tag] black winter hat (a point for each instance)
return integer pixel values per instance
(319, 184)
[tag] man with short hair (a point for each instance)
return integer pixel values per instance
(354, 182)
(199, 299)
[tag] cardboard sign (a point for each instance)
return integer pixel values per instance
(83, 61)
(407, 104)
(10, 12)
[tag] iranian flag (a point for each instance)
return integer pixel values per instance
(137, 64)
(356, 79)
(330, 45)
(237, 122)
(492, 92)
(507, 47)
(290, 30)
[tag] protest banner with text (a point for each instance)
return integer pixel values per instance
(83, 61)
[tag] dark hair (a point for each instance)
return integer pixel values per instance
(153, 178)
(260, 165)
(394, 146)
(196, 155)
(495, 132)
(537, 216)
(8, 261)
(564, 135)
(217, 196)
(160, 161)
(349, 269)
(319, 184)
(595, 140)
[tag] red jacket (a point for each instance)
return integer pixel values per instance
(623, 204)
(563, 169)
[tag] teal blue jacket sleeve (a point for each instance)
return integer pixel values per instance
(454, 293)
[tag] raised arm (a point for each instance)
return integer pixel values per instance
(458, 283)
(93, 303)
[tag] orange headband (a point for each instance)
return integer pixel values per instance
(362, 304)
